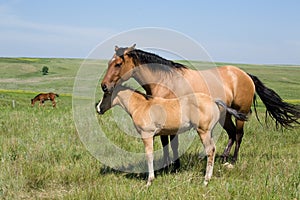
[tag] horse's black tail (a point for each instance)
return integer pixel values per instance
(57, 95)
(235, 113)
(282, 112)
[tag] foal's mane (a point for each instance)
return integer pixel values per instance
(37, 96)
(156, 62)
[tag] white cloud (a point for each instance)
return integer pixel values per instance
(19, 37)
(12, 22)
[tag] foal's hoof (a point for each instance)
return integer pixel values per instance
(148, 184)
(205, 183)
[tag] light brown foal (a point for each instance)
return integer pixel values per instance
(154, 116)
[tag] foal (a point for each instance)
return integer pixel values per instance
(42, 97)
(154, 116)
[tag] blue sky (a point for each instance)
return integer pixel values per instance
(262, 32)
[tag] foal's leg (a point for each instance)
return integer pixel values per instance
(53, 103)
(166, 157)
(231, 131)
(210, 150)
(174, 145)
(239, 138)
(41, 103)
(148, 142)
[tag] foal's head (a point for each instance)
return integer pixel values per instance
(119, 68)
(105, 104)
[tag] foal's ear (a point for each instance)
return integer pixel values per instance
(116, 48)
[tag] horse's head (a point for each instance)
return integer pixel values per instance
(105, 103)
(120, 68)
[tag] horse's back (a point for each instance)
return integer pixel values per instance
(228, 83)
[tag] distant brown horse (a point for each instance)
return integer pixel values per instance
(42, 97)
(164, 78)
(159, 116)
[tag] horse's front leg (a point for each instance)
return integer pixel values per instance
(174, 145)
(166, 157)
(148, 142)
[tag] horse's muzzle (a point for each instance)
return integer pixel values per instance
(104, 88)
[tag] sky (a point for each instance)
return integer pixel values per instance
(258, 32)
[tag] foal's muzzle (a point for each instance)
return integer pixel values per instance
(98, 109)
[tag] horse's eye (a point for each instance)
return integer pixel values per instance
(118, 65)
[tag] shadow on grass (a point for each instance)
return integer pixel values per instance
(189, 162)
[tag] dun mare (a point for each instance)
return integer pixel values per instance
(164, 78)
(158, 116)
(42, 97)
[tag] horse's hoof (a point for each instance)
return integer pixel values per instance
(167, 165)
(224, 159)
(176, 166)
(228, 165)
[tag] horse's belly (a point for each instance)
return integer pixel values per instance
(167, 132)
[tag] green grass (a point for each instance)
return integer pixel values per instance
(42, 156)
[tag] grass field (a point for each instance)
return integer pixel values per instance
(42, 156)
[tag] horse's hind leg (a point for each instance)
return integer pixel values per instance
(231, 131)
(210, 150)
(239, 138)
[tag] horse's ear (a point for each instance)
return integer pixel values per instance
(116, 48)
(130, 49)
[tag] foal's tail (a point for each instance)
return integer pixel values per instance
(282, 112)
(235, 113)
(57, 95)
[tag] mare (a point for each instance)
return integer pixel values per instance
(165, 78)
(154, 116)
(42, 97)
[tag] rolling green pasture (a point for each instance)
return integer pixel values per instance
(42, 156)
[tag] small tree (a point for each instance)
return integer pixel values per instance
(45, 70)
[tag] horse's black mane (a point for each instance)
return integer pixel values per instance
(142, 57)
(124, 87)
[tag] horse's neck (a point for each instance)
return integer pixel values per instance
(143, 75)
(129, 100)
(156, 82)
